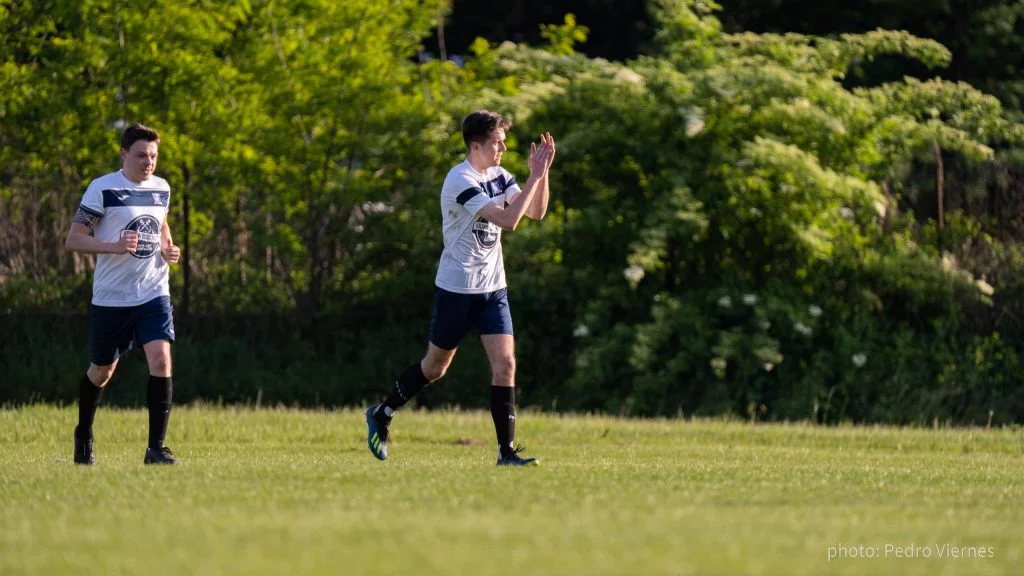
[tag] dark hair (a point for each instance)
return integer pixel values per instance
(136, 132)
(477, 127)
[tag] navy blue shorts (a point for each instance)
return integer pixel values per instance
(113, 330)
(455, 314)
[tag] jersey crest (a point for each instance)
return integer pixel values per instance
(148, 229)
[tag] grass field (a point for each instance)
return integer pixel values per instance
(289, 492)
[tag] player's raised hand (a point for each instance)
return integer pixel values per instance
(546, 137)
(540, 157)
(171, 254)
(128, 243)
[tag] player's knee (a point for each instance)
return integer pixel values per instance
(504, 369)
(161, 368)
(434, 371)
(160, 365)
(100, 375)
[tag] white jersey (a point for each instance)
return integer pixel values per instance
(122, 205)
(471, 262)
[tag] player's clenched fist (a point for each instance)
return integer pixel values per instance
(128, 243)
(171, 254)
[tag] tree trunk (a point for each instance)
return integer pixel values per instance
(186, 258)
(938, 184)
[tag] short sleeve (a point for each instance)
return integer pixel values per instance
(466, 192)
(92, 200)
(512, 189)
(477, 202)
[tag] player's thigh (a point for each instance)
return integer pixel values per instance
(501, 350)
(494, 316)
(111, 333)
(452, 318)
(158, 356)
(494, 323)
(154, 330)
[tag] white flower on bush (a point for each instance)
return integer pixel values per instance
(718, 365)
(725, 302)
(750, 299)
(984, 287)
(626, 75)
(765, 324)
(694, 122)
(859, 359)
(377, 208)
(581, 331)
(803, 328)
(768, 366)
(949, 262)
(846, 213)
(814, 310)
(634, 274)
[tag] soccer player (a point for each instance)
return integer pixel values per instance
(479, 199)
(123, 220)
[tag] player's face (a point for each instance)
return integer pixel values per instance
(139, 160)
(493, 148)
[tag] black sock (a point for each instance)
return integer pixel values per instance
(89, 398)
(408, 384)
(158, 397)
(503, 412)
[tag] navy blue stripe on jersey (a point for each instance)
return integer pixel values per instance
(496, 186)
(499, 185)
(123, 197)
(468, 195)
(85, 209)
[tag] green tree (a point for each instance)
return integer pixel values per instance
(729, 242)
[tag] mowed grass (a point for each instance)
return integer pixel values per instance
(297, 492)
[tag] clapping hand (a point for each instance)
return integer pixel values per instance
(542, 155)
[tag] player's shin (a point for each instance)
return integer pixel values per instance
(89, 398)
(158, 398)
(409, 383)
(503, 412)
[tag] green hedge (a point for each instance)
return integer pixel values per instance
(915, 378)
(236, 360)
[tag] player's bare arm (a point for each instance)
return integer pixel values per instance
(508, 218)
(539, 206)
(80, 238)
(168, 250)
